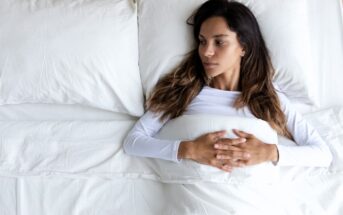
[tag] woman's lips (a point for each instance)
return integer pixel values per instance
(210, 65)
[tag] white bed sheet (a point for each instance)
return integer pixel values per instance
(58, 112)
(42, 179)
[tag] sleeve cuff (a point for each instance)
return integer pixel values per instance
(275, 163)
(176, 151)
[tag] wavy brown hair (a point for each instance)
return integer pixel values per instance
(174, 92)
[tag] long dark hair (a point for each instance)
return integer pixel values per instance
(174, 92)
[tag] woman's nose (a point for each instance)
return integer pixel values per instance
(208, 50)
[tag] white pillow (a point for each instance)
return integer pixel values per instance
(189, 127)
(69, 52)
(327, 50)
(164, 38)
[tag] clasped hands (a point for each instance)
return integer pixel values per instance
(228, 153)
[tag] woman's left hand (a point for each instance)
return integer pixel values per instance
(259, 152)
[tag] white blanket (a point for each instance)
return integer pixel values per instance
(78, 167)
(88, 147)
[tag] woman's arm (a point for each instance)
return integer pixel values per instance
(140, 140)
(311, 150)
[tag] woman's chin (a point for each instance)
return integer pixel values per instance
(211, 73)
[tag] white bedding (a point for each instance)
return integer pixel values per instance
(58, 112)
(67, 159)
(189, 127)
(78, 167)
(66, 52)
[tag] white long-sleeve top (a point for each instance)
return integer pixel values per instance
(310, 150)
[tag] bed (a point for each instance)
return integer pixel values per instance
(74, 75)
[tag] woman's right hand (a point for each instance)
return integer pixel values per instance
(202, 151)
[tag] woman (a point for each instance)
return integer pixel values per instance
(228, 73)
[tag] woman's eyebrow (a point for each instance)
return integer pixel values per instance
(216, 36)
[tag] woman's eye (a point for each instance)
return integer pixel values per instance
(219, 43)
(202, 42)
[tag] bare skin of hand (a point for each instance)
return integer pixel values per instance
(258, 151)
(202, 150)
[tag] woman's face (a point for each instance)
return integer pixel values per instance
(219, 49)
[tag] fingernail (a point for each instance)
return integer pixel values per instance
(243, 140)
(216, 146)
(247, 155)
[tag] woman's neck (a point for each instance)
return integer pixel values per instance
(227, 81)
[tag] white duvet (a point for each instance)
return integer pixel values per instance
(78, 167)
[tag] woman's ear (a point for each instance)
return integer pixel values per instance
(243, 53)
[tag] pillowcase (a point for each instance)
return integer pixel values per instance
(164, 39)
(68, 52)
(327, 50)
(189, 127)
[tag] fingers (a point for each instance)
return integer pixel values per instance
(227, 167)
(227, 147)
(227, 160)
(233, 155)
(227, 164)
(224, 143)
(242, 134)
(218, 134)
(214, 136)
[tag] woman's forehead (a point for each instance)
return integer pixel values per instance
(215, 27)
